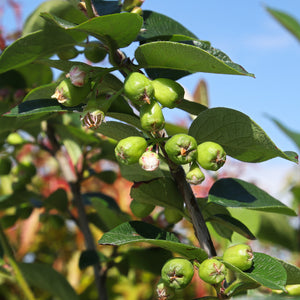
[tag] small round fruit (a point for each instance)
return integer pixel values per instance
(164, 292)
(151, 116)
(293, 289)
(129, 150)
(211, 156)
(15, 139)
(94, 53)
(5, 166)
(140, 209)
(195, 175)
(181, 148)
(240, 256)
(212, 271)
(149, 161)
(70, 95)
(177, 273)
(67, 53)
(172, 215)
(167, 92)
(128, 5)
(138, 88)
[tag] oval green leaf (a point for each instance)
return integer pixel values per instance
(233, 192)
(191, 58)
(241, 137)
(137, 231)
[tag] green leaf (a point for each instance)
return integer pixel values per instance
(293, 272)
(62, 9)
(184, 57)
(136, 173)
(137, 231)
(73, 147)
(117, 130)
(241, 137)
(162, 192)
(107, 176)
(266, 271)
(107, 209)
(233, 192)
(173, 129)
(46, 278)
(37, 107)
(233, 224)
(157, 25)
(57, 200)
(88, 258)
(287, 21)
(278, 231)
(105, 7)
(17, 198)
(191, 107)
(295, 136)
(129, 119)
(116, 30)
(33, 46)
(42, 92)
(143, 258)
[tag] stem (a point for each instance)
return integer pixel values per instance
(83, 223)
(12, 261)
(89, 8)
(198, 221)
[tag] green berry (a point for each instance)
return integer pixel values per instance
(240, 256)
(129, 150)
(128, 5)
(212, 271)
(151, 116)
(70, 95)
(94, 53)
(140, 209)
(15, 139)
(177, 273)
(172, 215)
(293, 289)
(138, 88)
(211, 156)
(167, 92)
(67, 53)
(181, 148)
(195, 175)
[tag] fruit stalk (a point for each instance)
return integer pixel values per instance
(198, 221)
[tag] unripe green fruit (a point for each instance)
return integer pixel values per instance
(151, 116)
(212, 271)
(164, 292)
(5, 166)
(240, 256)
(172, 215)
(129, 150)
(140, 209)
(195, 175)
(94, 53)
(167, 92)
(181, 148)
(293, 289)
(138, 88)
(177, 273)
(211, 156)
(69, 95)
(128, 5)
(15, 139)
(67, 53)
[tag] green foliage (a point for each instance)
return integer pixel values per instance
(62, 177)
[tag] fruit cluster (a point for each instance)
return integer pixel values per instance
(177, 273)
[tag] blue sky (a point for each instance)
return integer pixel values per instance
(249, 36)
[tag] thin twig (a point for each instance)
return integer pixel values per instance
(198, 221)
